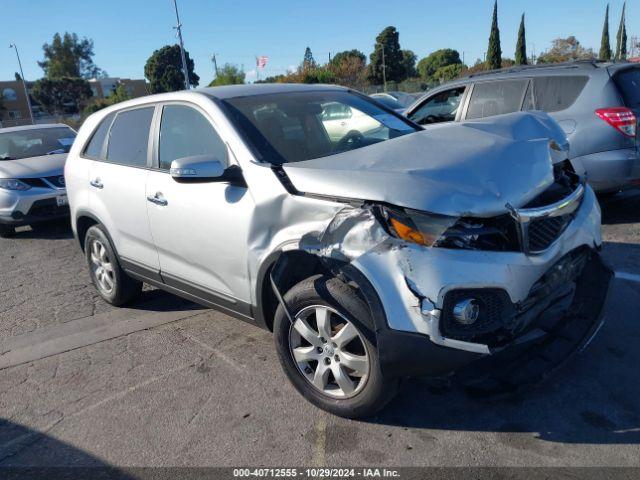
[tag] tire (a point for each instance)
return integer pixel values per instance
(7, 231)
(366, 391)
(111, 282)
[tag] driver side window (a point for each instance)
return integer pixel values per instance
(185, 132)
(442, 107)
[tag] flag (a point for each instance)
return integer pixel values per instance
(261, 62)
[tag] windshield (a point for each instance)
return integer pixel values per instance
(35, 142)
(296, 126)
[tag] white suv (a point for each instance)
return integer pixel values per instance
(379, 254)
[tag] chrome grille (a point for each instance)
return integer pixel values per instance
(544, 231)
(57, 181)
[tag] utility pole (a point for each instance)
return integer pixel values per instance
(215, 63)
(178, 27)
(24, 83)
(384, 71)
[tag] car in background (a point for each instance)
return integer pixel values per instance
(597, 105)
(393, 102)
(32, 184)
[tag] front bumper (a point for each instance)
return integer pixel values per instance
(31, 206)
(610, 170)
(412, 284)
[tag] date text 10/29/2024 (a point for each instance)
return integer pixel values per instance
(316, 472)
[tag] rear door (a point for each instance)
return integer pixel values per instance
(117, 179)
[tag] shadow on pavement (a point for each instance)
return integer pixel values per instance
(591, 400)
(621, 208)
(58, 230)
(27, 453)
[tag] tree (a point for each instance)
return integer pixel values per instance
(621, 37)
(409, 64)
(62, 95)
(521, 46)
(228, 75)
(428, 66)
(605, 47)
(308, 63)
(388, 42)
(164, 70)
(566, 50)
(118, 95)
(69, 56)
(17, 77)
(354, 54)
(494, 51)
(448, 72)
(349, 69)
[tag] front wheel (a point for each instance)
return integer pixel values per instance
(329, 351)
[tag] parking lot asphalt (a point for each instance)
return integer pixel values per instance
(168, 383)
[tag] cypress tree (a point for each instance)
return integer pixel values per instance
(521, 46)
(605, 46)
(621, 37)
(494, 52)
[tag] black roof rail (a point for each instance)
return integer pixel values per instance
(519, 68)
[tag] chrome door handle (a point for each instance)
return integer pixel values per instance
(96, 183)
(158, 200)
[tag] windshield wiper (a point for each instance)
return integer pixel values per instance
(6, 157)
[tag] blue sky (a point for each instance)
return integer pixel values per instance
(126, 32)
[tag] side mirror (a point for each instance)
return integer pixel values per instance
(197, 167)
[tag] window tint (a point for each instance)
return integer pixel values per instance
(94, 149)
(553, 94)
(442, 107)
(496, 98)
(628, 82)
(129, 137)
(185, 132)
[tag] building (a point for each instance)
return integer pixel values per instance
(15, 111)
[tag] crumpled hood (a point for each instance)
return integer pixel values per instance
(473, 168)
(33, 167)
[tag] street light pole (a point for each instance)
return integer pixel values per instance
(24, 83)
(178, 27)
(384, 71)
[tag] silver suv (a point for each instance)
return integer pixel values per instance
(597, 104)
(382, 254)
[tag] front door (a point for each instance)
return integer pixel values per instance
(200, 229)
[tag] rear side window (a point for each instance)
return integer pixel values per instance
(628, 82)
(94, 149)
(185, 132)
(495, 98)
(129, 137)
(553, 94)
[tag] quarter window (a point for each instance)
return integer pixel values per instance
(553, 94)
(129, 137)
(185, 132)
(496, 98)
(94, 149)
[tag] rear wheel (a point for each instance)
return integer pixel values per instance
(7, 231)
(329, 351)
(112, 283)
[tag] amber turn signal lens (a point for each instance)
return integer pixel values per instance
(407, 233)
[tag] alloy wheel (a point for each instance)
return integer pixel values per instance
(329, 351)
(102, 267)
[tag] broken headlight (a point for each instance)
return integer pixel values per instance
(430, 230)
(416, 227)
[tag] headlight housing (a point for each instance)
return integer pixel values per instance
(417, 227)
(13, 184)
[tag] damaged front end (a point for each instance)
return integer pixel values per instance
(454, 290)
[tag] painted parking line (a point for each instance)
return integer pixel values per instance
(632, 277)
